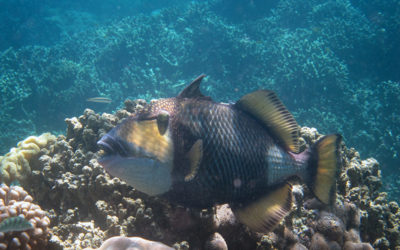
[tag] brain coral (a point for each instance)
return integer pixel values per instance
(15, 201)
(15, 164)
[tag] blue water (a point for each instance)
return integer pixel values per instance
(335, 64)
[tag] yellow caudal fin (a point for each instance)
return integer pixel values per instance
(324, 166)
(264, 214)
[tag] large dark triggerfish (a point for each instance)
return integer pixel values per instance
(199, 153)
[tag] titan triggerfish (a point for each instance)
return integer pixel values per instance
(199, 153)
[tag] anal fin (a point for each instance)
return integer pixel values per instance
(264, 214)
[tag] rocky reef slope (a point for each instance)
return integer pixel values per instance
(86, 206)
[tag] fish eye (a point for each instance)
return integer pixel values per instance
(162, 121)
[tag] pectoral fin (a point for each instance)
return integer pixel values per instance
(264, 214)
(195, 155)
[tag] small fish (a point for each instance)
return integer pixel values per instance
(15, 183)
(196, 152)
(15, 224)
(99, 99)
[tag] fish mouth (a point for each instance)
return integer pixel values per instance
(113, 151)
(123, 160)
(112, 146)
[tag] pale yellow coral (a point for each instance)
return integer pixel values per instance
(15, 164)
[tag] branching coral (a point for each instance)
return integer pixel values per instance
(15, 201)
(14, 166)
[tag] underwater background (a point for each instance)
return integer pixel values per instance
(335, 64)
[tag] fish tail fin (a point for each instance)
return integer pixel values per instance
(324, 165)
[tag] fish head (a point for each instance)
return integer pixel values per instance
(140, 150)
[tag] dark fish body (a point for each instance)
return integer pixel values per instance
(198, 153)
(240, 159)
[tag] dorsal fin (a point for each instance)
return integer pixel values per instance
(193, 89)
(265, 106)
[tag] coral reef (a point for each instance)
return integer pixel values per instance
(295, 48)
(15, 165)
(15, 201)
(45, 23)
(87, 206)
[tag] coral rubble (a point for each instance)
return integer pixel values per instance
(87, 206)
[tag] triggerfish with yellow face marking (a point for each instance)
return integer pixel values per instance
(199, 153)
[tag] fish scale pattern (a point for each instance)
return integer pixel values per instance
(281, 165)
(234, 147)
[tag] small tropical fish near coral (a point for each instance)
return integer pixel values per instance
(196, 152)
(99, 99)
(15, 224)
